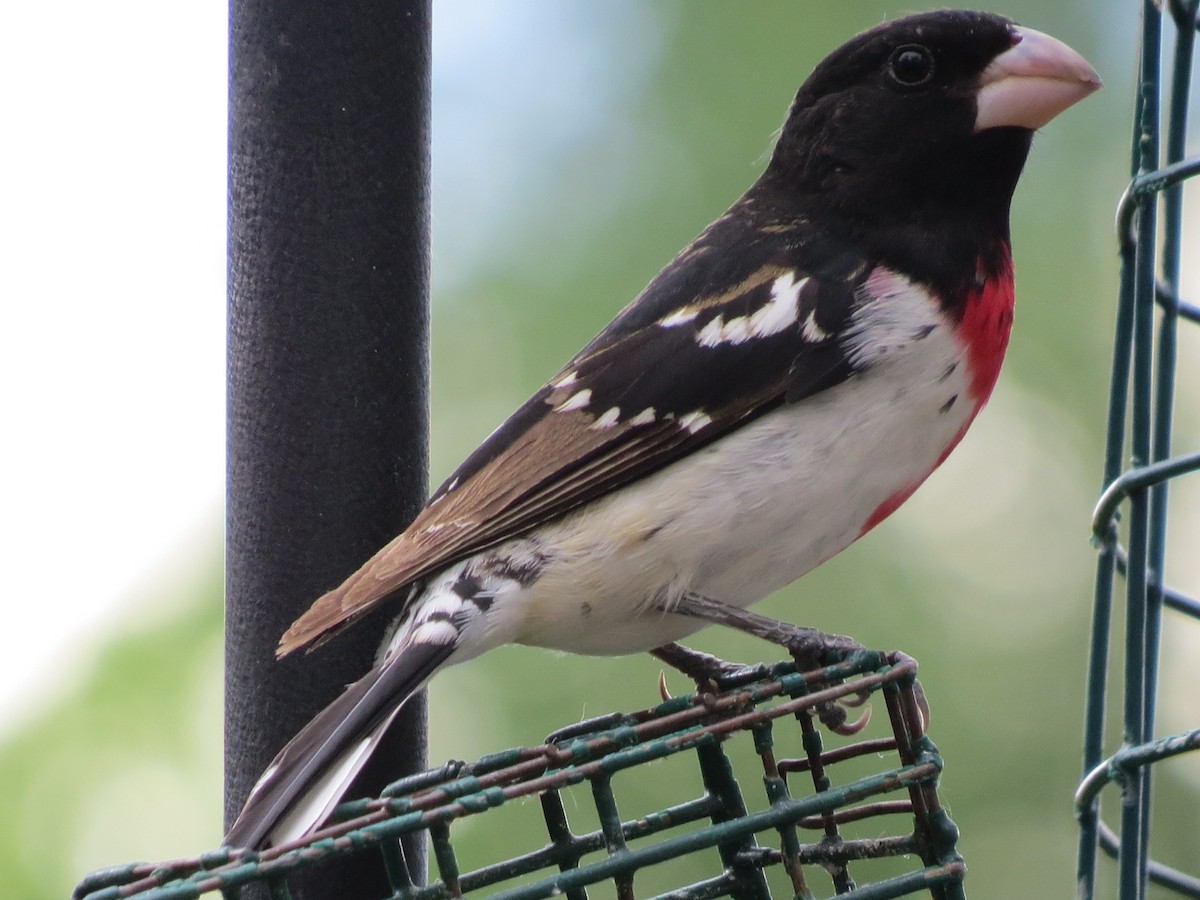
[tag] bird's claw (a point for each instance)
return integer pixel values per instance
(855, 700)
(812, 649)
(709, 673)
(833, 716)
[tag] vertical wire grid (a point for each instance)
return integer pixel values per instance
(1142, 402)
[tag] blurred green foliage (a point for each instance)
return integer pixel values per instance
(985, 576)
(127, 764)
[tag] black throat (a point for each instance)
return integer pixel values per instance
(941, 218)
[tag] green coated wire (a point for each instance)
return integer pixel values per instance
(771, 706)
(1141, 406)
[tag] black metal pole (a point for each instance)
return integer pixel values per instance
(328, 373)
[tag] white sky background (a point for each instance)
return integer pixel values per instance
(113, 286)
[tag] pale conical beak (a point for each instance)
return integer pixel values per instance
(1032, 82)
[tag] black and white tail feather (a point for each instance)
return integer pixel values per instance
(309, 776)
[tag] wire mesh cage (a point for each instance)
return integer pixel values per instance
(1131, 518)
(802, 819)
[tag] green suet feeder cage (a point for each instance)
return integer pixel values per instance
(792, 820)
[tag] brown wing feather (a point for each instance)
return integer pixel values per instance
(522, 487)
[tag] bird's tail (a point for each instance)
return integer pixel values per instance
(309, 775)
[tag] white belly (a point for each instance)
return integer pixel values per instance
(748, 514)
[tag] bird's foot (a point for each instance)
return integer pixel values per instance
(810, 648)
(833, 715)
(813, 649)
(708, 672)
(711, 673)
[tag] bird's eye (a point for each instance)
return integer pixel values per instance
(911, 65)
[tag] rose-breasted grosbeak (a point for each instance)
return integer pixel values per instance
(774, 393)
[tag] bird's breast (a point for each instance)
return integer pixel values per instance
(763, 505)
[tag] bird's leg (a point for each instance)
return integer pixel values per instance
(809, 647)
(706, 670)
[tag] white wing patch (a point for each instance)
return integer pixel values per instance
(645, 417)
(681, 316)
(609, 419)
(578, 400)
(814, 333)
(779, 313)
(694, 421)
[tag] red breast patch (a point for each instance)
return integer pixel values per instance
(984, 330)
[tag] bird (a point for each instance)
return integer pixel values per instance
(773, 394)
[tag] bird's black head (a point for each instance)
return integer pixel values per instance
(909, 139)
